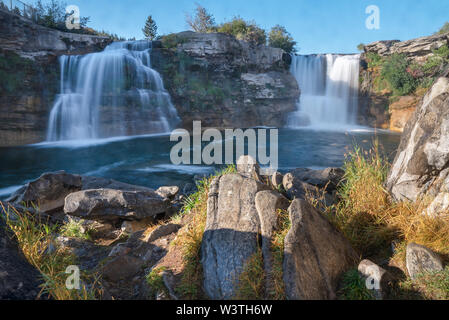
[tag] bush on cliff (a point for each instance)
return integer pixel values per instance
(395, 71)
(244, 30)
(279, 37)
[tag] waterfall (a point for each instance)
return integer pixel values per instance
(329, 90)
(110, 93)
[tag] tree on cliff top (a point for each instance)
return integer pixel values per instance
(150, 28)
(244, 30)
(202, 21)
(53, 14)
(279, 37)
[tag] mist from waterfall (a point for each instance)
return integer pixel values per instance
(329, 91)
(110, 93)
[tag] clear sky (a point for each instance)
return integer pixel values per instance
(319, 26)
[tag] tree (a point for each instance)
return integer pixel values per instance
(53, 14)
(444, 28)
(202, 21)
(361, 47)
(279, 37)
(150, 29)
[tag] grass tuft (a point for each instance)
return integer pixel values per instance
(250, 285)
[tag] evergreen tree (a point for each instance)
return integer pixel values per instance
(150, 29)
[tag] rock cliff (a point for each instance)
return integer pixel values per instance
(225, 82)
(29, 74)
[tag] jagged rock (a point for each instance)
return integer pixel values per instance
(230, 236)
(419, 47)
(375, 278)
(276, 179)
(420, 167)
(48, 191)
(168, 192)
(315, 255)
(420, 259)
(18, 279)
(112, 205)
(329, 177)
(296, 188)
(162, 231)
(267, 204)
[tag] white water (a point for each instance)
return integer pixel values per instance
(110, 93)
(329, 91)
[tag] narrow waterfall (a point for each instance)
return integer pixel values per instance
(329, 90)
(110, 93)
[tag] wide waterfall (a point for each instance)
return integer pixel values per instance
(110, 93)
(329, 90)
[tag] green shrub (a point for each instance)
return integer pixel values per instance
(373, 59)
(395, 71)
(353, 287)
(280, 38)
(244, 30)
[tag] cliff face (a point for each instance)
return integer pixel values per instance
(225, 82)
(29, 74)
(378, 106)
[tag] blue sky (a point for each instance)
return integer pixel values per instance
(319, 26)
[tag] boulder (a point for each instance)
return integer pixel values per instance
(315, 255)
(420, 168)
(420, 259)
(231, 234)
(375, 278)
(276, 179)
(168, 192)
(267, 204)
(113, 205)
(48, 191)
(19, 280)
(296, 188)
(89, 183)
(329, 177)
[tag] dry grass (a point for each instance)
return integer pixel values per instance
(277, 249)
(34, 238)
(250, 284)
(369, 218)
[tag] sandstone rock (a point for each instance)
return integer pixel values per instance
(162, 231)
(420, 259)
(136, 225)
(18, 279)
(375, 277)
(168, 192)
(315, 255)
(401, 111)
(267, 204)
(231, 232)
(48, 191)
(112, 205)
(420, 167)
(276, 179)
(121, 267)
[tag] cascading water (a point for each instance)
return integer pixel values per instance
(110, 93)
(329, 90)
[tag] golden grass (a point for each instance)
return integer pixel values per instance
(250, 284)
(34, 238)
(371, 220)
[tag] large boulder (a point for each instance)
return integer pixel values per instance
(48, 191)
(315, 255)
(268, 203)
(421, 164)
(231, 233)
(113, 205)
(18, 279)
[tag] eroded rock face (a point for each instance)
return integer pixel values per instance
(113, 205)
(246, 85)
(420, 167)
(420, 259)
(230, 236)
(18, 279)
(315, 255)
